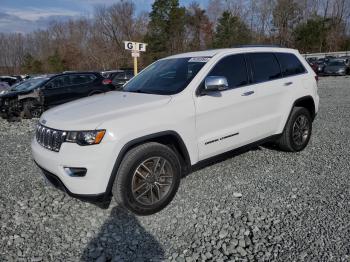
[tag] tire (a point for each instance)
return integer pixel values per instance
(294, 139)
(30, 110)
(133, 178)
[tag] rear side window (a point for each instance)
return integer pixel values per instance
(265, 67)
(290, 64)
(233, 68)
(119, 76)
(60, 81)
(82, 79)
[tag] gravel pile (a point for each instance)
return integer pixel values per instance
(250, 206)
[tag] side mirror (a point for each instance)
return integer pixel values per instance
(215, 83)
(48, 86)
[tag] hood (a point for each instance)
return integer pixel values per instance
(13, 93)
(88, 113)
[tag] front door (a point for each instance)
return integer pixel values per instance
(227, 119)
(57, 91)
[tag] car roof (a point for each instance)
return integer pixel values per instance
(12, 77)
(213, 52)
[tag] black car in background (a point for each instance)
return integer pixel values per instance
(35, 95)
(336, 67)
(118, 77)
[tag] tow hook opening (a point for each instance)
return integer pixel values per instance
(75, 171)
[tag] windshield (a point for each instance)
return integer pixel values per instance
(29, 84)
(336, 63)
(166, 77)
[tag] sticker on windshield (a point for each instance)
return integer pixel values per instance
(199, 59)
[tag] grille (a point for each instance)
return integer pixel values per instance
(49, 138)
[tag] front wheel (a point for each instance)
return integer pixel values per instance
(148, 178)
(31, 110)
(297, 132)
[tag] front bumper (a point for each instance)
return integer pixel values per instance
(97, 159)
(104, 198)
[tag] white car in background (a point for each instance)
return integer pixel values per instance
(179, 111)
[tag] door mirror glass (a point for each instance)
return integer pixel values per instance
(215, 83)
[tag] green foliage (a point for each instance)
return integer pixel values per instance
(311, 36)
(230, 31)
(31, 65)
(165, 29)
(56, 63)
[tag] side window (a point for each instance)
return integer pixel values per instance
(265, 67)
(82, 79)
(290, 64)
(119, 76)
(60, 81)
(129, 74)
(233, 68)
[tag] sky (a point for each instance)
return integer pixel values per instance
(27, 15)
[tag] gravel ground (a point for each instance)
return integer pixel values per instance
(258, 205)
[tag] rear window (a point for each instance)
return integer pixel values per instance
(290, 64)
(265, 67)
(82, 79)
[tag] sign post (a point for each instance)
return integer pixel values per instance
(135, 49)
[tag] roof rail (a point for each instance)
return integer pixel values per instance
(257, 45)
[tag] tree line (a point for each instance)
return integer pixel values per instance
(96, 42)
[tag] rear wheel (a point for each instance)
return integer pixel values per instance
(148, 178)
(297, 132)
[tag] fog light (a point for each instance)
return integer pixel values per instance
(75, 171)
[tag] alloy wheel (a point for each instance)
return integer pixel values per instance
(301, 130)
(152, 180)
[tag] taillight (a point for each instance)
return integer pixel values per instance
(107, 81)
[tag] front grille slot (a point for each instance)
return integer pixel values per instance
(49, 138)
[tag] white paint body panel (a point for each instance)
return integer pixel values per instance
(196, 119)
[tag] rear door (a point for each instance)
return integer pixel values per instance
(83, 85)
(271, 88)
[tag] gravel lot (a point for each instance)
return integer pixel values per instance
(258, 205)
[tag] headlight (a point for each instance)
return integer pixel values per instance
(85, 138)
(341, 70)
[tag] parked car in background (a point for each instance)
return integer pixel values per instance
(10, 80)
(3, 87)
(313, 63)
(345, 59)
(119, 77)
(320, 65)
(30, 98)
(311, 60)
(336, 68)
(328, 58)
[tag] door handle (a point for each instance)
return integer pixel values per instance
(288, 83)
(248, 93)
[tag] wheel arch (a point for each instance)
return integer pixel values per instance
(306, 102)
(169, 138)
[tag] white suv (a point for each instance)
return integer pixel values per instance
(179, 111)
